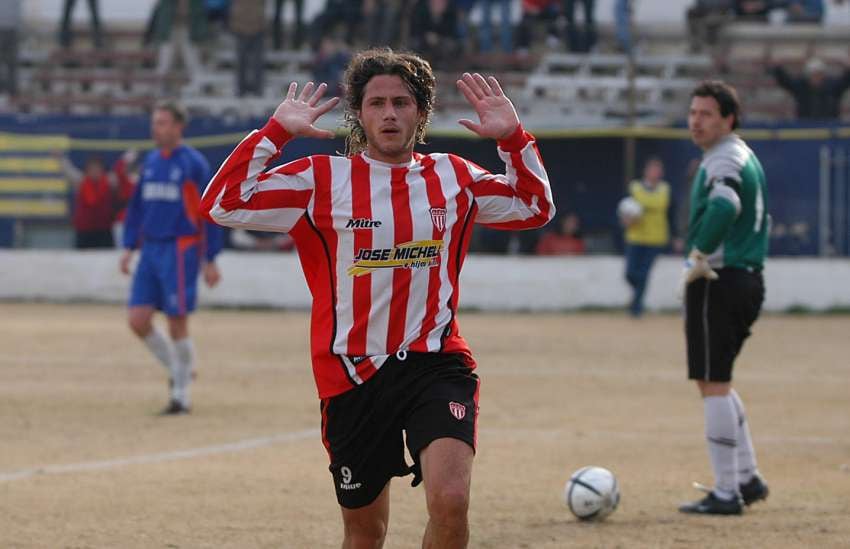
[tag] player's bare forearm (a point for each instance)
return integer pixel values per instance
(496, 114)
(297, 115)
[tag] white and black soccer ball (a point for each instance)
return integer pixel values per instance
(629, 209)
(592, 493)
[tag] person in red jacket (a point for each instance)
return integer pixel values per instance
(566, 239)
(93, 202)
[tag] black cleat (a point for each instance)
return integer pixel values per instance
(754, 490)
(713, 505)
(175, 408)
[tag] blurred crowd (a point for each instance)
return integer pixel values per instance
(706, 17)
(452, 34)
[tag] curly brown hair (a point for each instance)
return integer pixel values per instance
(412, 69)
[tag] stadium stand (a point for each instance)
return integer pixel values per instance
(745, 51)
(599, 84)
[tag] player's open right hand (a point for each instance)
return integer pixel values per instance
(297, 115)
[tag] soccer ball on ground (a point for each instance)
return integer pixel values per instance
(629, 209)
(592, 493)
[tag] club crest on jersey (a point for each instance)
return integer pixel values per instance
(457, 409)
(417, 254)
(438, 218)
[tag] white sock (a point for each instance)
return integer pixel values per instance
(161, 348)
(721, 424)
(747, 466)
(183, 369)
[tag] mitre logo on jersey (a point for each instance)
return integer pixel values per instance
(438, 218)
(362, 223)
(418, 254)
(457, 409)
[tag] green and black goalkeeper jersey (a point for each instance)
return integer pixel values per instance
(728, 219)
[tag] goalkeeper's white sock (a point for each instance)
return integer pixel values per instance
(161, 348)
(185, 353)
(721, 424)
(747, 466)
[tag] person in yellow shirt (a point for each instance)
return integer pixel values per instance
(647, 234)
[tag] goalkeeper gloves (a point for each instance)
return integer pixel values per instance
(696, 266)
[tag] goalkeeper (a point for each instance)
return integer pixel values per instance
(723, 290)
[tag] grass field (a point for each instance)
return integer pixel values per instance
(86, 463)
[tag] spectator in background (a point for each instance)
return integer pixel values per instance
(623, 12)
(584, 40)
(330, 62)
(464, 34)
(534, 11)
(10, 21)
(179, 25)
(95, 202)
(485, 30)
(218, 12)
(434, 32)
(805, 11)
(248, 23)
(277, 24)
(755, 11)
(66, 35)
(565, 239)
(383, 19)
(648, 234)
(705, 19)
(346, 12)
(816, 94)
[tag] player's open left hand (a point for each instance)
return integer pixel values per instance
(298, 114)
(498, 118)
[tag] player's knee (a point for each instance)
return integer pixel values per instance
(140, 324)
(365, 533)
(448, 505)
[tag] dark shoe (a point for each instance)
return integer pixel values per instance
(175, 408)
(712, 505)
(753, 491)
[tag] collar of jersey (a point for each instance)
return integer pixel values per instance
(374, 162)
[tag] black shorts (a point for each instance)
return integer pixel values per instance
(718, 317)
(426, 396)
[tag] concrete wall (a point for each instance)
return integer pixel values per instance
(487, 283)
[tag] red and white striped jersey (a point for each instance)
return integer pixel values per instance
(381, 245)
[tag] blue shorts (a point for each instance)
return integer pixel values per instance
(167, 276)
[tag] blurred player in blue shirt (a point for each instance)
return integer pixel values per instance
(163, 222)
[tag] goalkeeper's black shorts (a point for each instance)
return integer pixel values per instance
(718, 317)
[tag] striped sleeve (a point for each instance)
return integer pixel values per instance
(244, 194)
(522, 197)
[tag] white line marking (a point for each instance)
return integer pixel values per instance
(261, 442)
(239, 446)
